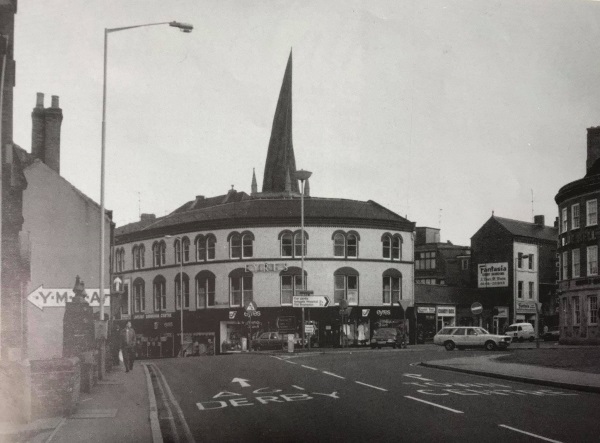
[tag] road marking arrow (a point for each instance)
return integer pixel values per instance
(417, 376)
(241, 381)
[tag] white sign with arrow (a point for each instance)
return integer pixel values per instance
(56, 298)
(310, 301)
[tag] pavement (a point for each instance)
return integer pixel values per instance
(116, 410)
(122, 407)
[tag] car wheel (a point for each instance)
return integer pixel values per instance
(490, 346)
(521, 339)
(449, 345)
(532, 338)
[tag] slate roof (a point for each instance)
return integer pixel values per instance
(246, 211)
(526, 229)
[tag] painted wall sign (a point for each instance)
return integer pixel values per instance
(267, 267)
(528, 306)
(492, 275)
(57, 298)
(446, 311)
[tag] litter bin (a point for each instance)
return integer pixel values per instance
(290, 343)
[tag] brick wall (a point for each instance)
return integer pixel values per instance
(55, 386)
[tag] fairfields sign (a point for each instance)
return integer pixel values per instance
(492, 275)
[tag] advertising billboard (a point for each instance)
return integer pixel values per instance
(492, 275)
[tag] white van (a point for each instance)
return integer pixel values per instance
(521, 332)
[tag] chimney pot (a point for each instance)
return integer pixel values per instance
(55, 101)
(39, 101)
(199, 197)
(539, 220)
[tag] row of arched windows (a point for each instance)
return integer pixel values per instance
(241, 287)
(241, 246)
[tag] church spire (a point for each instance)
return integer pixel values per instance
(254, 185)
(280, 156)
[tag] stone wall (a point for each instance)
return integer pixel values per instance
(54, 387)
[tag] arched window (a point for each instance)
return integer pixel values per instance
(352, 246)
(286, 238)
(392, 246)
(139, 296)
(241, 245)
(200, 243)
(177, 250)
(120, 260)
(159, 293)
(142, 254)
(346, 285)
(205, 289)
(240, 287)
(291, 284)
(159, 253)
(339, 245)
(186, 249)
(291, 243)
(211, 242)
(392, 286)
(186, 291)
(135, 257)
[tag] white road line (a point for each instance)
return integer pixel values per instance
(298, 387)
(529, 433)
(290, 362)
(310, 367)
(370, 386)
(334, 375)
(435, 404)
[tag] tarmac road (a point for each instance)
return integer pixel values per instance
(367, 395)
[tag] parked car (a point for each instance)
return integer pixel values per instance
(551, 334)
(462, 337)
(388, 337)
(521, 332)
(273, 340)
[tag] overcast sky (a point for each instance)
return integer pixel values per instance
(442, 110)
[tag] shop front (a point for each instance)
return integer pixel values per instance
(526, 312)
(426, 326)
(155, 335)
(500, 319)
(446, 316)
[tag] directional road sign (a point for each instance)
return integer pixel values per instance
(56, 298)
(310, 301)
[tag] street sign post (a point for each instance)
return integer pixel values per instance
(250, 308)
(310, 301)
(476, 308)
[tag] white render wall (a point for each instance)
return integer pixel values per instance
(320, 265)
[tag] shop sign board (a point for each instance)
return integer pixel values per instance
(426, 310)
(309, 329)
(446, 311)
(492, 275)
(526, 306)
(266, 267)
(502, 312)
(287, 323)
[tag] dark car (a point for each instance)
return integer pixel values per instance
(552, 334)
(387, 337)
(273, 340)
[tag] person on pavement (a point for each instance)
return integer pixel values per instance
(128, 346)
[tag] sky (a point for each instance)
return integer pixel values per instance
(443, 111)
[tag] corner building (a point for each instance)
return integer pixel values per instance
(579, 237)
(241, 247)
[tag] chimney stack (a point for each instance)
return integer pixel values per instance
(593, 146)
(45, 132)
(539, 220)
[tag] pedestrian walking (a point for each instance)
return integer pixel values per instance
(128, 346)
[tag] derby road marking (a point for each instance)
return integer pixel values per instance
(435, 404)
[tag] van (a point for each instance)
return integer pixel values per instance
(521, 332)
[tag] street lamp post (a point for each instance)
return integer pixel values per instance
(184, 27)
(302, 175)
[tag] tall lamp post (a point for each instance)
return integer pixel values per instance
(302, 175)
(184, 27)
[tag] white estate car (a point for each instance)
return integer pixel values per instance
(470, 337)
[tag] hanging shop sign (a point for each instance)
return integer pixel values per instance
(492, 275)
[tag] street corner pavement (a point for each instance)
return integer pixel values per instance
(490, 366)
(117, 409)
